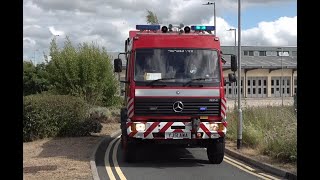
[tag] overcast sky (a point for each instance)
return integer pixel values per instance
(107, 22)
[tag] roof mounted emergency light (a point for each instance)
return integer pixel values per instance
(148, 27)
(203, 28)
(187, 29)
(164, 29)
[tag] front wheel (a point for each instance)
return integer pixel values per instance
(215, 151)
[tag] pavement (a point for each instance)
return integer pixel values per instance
(177, 163)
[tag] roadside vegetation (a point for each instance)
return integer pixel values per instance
(272, 130)
(71, 94)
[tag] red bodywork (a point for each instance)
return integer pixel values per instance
(169, 40)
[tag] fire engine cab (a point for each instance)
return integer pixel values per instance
(174, 89)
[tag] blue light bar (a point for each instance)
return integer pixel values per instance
(203, 28)
(148, 27)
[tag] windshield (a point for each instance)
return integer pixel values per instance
(176, 65)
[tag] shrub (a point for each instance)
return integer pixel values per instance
(104, 115)
(85, 71)
(55, 115)
(35, 78)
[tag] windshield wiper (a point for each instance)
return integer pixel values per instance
(196, 79)
(157, 80)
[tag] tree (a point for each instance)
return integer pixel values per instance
(35, 78)
(85, 71)
(152, 18)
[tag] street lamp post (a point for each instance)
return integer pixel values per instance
(281, 79)
(239, 134)
(214, 14)
(235, 52)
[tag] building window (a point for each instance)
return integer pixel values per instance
(259, 90)
(262, 53)
(249, 92)
(265, 90)
(253, 82)
(254, 90)
(278, 82)
(248, 82)
(272, 82)
(271, 53)
(248, 53)
(282, 53)
(259, 82)
(264, 82)
(230, 91)
(272, 90)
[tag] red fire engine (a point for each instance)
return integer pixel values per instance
(174, 89)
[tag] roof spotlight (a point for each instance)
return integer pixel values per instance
(170, 27)
(164, 29)
(187, 29)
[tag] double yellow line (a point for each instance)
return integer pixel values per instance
(114, 159)
(247, 169)
(226, 159)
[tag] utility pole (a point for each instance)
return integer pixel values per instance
(239, 134)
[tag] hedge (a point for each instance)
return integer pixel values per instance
(56, 115)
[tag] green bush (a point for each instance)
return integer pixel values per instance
(56, 115)
(35, 78)
(273, 130)
(84, 71)
(104, 115)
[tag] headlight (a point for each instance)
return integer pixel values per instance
(214, 127)
(140, 127)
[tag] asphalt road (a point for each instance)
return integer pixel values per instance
(164, 162)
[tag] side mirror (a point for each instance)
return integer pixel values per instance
(232, 77)
(117, 63)
(234, 63)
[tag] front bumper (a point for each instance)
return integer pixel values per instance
(165, 130)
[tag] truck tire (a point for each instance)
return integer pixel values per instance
(123, 126)
(215, 151)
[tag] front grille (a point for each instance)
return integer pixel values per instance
(164, 106)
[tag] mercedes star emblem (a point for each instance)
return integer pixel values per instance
(177, 106)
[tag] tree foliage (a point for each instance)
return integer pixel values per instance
(85, 71)
(35, 78)
(152, 18)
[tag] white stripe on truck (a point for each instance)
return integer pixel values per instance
(178, 92)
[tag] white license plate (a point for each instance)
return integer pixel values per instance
(178, 135)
